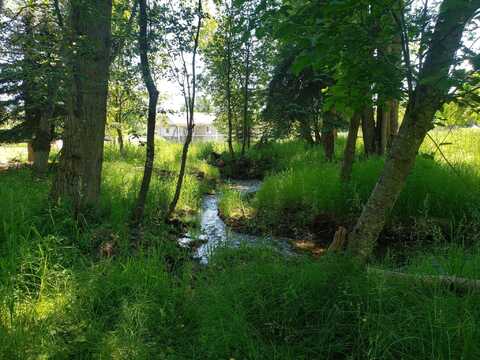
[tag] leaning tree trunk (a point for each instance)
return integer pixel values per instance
(181, 174)
(349, 155)
(80, 169)
(138, 211)
(427, 98)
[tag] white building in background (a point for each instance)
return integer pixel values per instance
(173, 127)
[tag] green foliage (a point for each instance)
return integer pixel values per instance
(238, 65)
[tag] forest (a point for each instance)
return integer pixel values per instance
(329, 210)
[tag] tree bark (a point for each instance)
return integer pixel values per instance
(368, 131)
(350, 147)
(121, 145)
(229, 88)
(41, 145)
(79, 176)
(457, 284)
(30, 153)
(328, 135)
(246, 98)
(43, 133)
(139, 209)
(427, 98)
(382, 128)
(393, 122)
(181, 174)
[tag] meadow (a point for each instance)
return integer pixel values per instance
(59, 299)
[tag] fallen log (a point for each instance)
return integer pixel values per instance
(454, 283)
(458, 284)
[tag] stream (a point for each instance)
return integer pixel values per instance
(215, 233)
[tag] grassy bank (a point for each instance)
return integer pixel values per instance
(303, 195)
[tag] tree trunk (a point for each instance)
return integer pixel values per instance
(41, 145)
(317, 131)
(181, 174)
(246, 99)
(30, 153)
(121, 145)
(427, 98)
(328, 135)
(229, 90)
(139, 210)
(368, 131)
(328, 139)
(43, 133)
(79, 175)
(393, 128)
(190, 101)
(350, 147)
(382, 129)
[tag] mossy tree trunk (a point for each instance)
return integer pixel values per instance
(428, 96)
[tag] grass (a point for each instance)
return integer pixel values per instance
(60, 300)
(303, 187)
(13, 152)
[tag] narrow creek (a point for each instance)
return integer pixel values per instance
(214, 233)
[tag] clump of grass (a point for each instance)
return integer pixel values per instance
(304, 191)
(232, 203)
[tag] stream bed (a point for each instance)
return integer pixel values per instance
(215, 233)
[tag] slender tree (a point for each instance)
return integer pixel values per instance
(139, 209)
(187, 80)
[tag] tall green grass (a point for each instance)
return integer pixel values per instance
(60, 300)
(308, 188)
